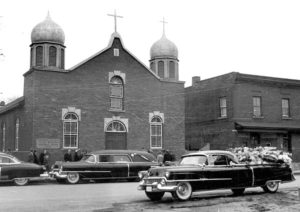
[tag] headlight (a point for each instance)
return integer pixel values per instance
(142, 174)
(167, 174)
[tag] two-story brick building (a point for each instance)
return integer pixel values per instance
(243, 110)
(108, 101)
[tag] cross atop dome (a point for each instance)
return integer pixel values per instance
(164, 23)
(115, 18)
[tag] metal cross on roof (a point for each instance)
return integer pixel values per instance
(164, 22)
(115, 18)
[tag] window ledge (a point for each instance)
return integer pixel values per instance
(258, 117)
(116, 110)
(223, 117)
(286, 118)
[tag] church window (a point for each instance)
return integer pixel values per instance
(17, 134)
(39, 56)
(152, 67)
(3, 137)
(172, 70)
(70, 131)
(116, 93)
(116, 126)
(161, 69)
(116, 52)
(62, 59)
(52, 56)
(31, 57)
(156, 132)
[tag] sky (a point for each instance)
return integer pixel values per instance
(213, 37)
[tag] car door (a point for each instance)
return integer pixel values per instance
(221, 173)
(113, 166)
(139, 163)
(9, 168)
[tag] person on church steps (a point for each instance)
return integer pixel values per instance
(78, 155)
(68, 156)
(30, 156)
(35, 157)
(44, 159)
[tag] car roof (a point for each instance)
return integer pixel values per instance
(5, 154)
(110, 151)
(209, 152)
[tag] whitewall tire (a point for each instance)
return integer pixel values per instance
(73, 177)
(21, 181)
(271, 186)
(183, 192)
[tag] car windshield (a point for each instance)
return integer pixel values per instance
(194, 160)
(88, 158)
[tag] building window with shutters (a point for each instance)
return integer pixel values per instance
(70, 131)
(156, 128)
(257, 106)
(116, 93)
(223, 107)
(285, 104)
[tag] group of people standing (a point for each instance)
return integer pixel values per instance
(73, 155)
(42, 159)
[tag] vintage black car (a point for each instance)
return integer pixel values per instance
(14, 170)
(104, 164)
(206, 170)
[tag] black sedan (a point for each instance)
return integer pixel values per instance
(104, 164)
(206, 170)
(14, 170)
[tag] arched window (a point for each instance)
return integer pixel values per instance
(156, 132)
(116, 126)
(116, 93)
(52, 56)
(31, 57)
(70, 131)
(152, 67)
(39, 56)
(172, 70)
(17, 135)
(3, 137)
(62, 59)
(161, 69)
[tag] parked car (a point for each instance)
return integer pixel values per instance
(14, 170)
(207, 170)
(104, 164)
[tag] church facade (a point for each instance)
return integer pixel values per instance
(108, 101)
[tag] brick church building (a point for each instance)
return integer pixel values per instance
(109, 101)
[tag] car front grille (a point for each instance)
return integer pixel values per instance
(152, 180)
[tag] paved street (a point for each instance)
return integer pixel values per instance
(109, 196)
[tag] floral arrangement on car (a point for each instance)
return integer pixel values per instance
(261, 155)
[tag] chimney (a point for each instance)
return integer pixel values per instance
(195, 80)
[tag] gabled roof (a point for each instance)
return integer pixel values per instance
(112, 38)
(12, 105)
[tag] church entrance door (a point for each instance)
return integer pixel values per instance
(115, 140)
(116, 136)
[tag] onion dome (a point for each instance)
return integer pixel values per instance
(163, 48)
(48, 31)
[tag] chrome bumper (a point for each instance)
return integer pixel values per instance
(156, 186)
(57, 175)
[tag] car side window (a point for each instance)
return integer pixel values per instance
(105, 158)
(121, 158)
(5, 160)
(220, 160)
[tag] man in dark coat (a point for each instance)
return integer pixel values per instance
(68, 156)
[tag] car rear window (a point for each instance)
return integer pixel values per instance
(194, 160)
(141, 158)
(5, 160)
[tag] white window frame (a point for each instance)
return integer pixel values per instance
(285, 107)
(223, 107)
(159, 138)
(114, 98)
(115, 130)
(70, 133)
(257, 109)
(3, 137)
(116, 52)
(17, 134)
